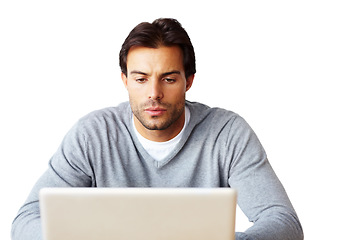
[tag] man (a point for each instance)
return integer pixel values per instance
(158, 139)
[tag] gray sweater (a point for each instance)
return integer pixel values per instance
(218, 149)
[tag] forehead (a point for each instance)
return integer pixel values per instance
(155, 59)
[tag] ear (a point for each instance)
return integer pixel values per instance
(124, 79)
(189, 81)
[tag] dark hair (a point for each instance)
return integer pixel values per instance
(162, 32)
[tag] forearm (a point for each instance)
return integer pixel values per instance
(276, 223)
(27, 225)
(261, 195)
(66, 169)
(269, 209)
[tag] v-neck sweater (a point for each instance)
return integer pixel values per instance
(218, 149)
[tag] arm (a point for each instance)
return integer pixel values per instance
(67, 168)
(261, 195)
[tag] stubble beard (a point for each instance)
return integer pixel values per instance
(173, 113)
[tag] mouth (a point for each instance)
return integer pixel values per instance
(155, 111)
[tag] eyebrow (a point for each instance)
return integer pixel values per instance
(170, 73)
(138, 72)
(162, 75)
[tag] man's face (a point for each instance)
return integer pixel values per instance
(156, 84)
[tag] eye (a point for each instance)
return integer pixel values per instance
(140, 80)
(169, 80)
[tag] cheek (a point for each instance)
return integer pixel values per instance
(133, 98)
(177, 96)
(134, 92)
(134, 105)
(176, 92)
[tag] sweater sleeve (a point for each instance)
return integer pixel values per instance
(67, 168)
(261, 195)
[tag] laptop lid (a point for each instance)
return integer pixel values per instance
(138, 213)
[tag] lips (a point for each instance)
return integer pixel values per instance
(155, 111)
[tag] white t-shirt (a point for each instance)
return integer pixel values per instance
(159, 150)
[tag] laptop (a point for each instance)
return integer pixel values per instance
(138, 213)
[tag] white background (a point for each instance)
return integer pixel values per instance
(290, 68)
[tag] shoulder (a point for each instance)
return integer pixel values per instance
(201, 113)
(221, 123)
(118, 113)
(104, 121)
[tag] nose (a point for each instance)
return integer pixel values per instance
(156, 91)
